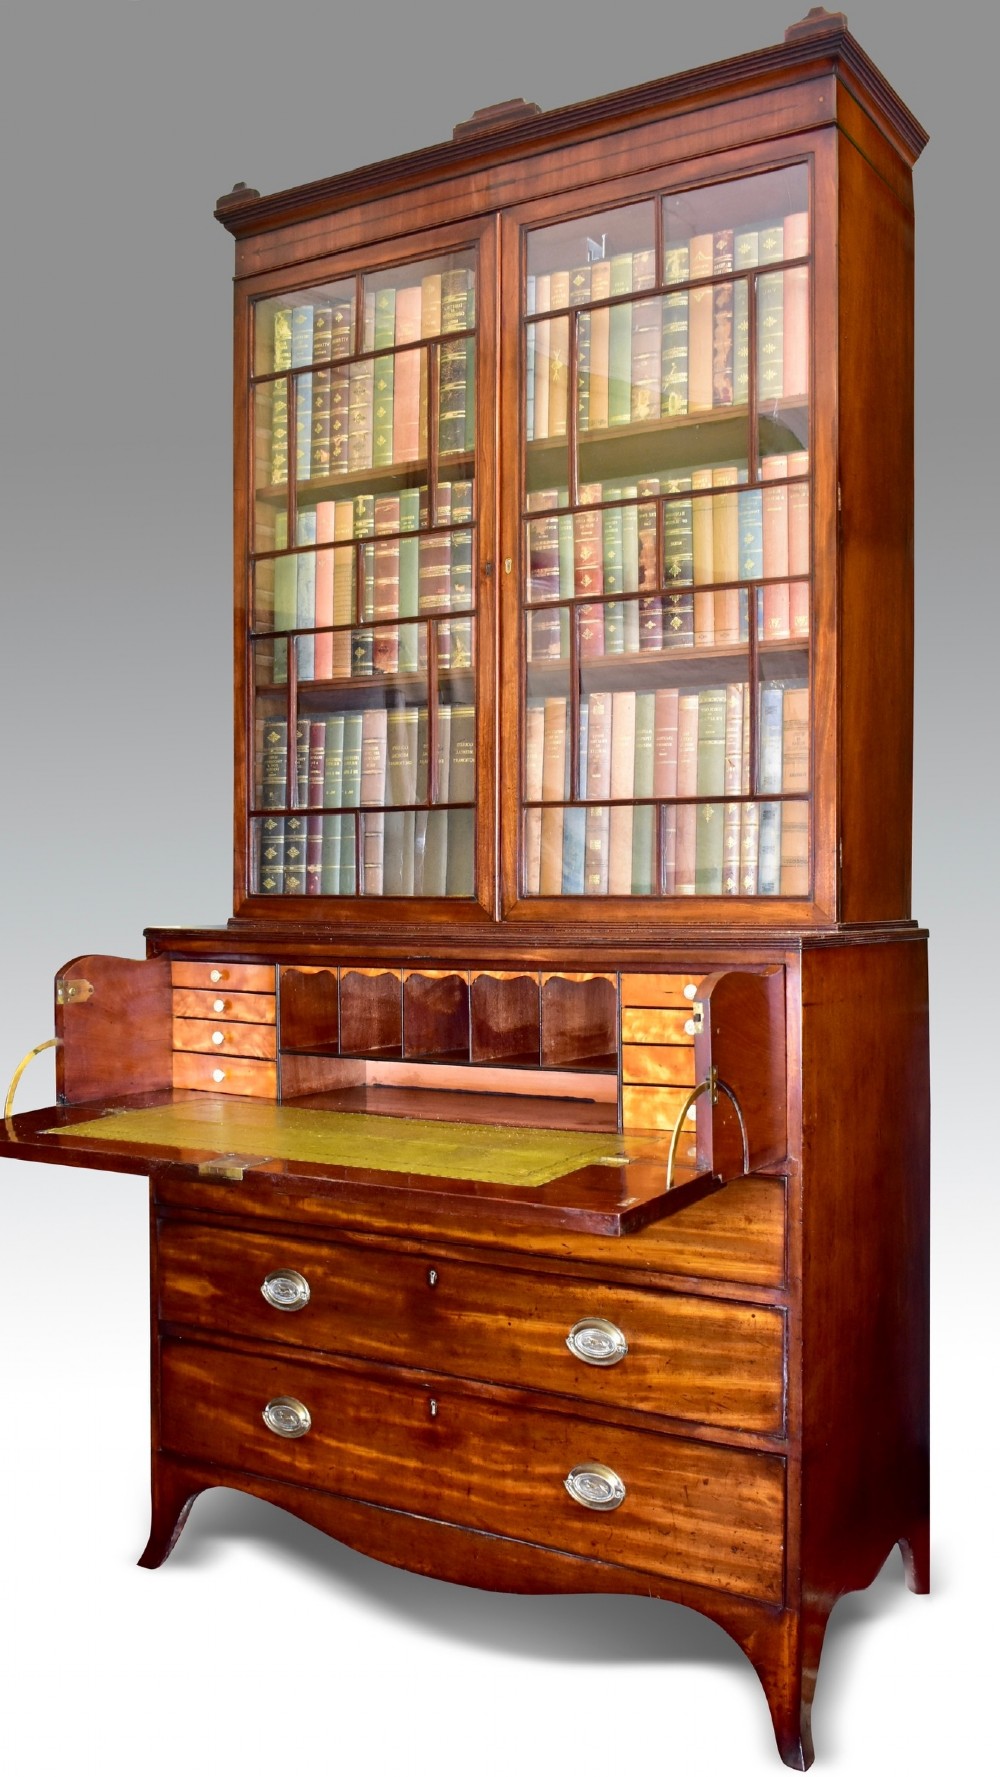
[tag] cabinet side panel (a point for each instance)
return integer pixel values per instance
(865, 1258)
(876, 530)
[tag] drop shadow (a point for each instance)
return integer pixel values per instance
(581, 1629)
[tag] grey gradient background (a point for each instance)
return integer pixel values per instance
(120, 123)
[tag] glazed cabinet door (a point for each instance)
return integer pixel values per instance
(365, 548)
(660, 613)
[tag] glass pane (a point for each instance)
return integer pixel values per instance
(406, 303)
(783, 609)
(304, 327)
(573, 263)
(756, 210)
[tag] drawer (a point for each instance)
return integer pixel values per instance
(218, 1002)
(659, 990)
(655, 1024)
(241, 977)
(217, 1037)
(692, 1512)
(230, 1073)
(660, 1064)
(720, 1363)
(653, 1107)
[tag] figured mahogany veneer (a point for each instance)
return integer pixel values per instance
(759, 1429)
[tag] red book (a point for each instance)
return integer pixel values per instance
(406, 384)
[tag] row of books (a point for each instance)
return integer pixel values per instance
(408, 571)
(371, 760)
(728, 533)
(684, 351)
(321, 330)
(367, 412)
(639, 749)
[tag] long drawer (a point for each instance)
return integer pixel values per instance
(703, 1360)
(699, 1513)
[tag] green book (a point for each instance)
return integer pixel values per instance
(711, 781)
(614, 610)
(643, 818)
(401, 787)
(409, 579)
(382, 414)
(674, 358)
(385, 319)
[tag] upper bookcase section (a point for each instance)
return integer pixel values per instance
(574, 516)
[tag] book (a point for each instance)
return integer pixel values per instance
(769, 775)
(703, 552)
(799, 562)
(733, 785)
(722, 321)
(333, 781)
(665, 713)
(620, 344)
(794, 843)
(598, 789)
(795, 300)
(701, 326)
(599, 370)
(746, 254)
(622, 785)
(350, 799)
(647, 342)
(710, 779)
(401, 787)
(305, 592)
(359, 414)
(644, 816)
(612, 572)
(588, 569)
(314, 822)
(374, 729)
(554, 790)
(687, 785)
(674, 357)
(279, 394)
(270, 855)
(295, 854)
(408, 446)
(385, 610)
(774, 550)
(534, 730)
(539, 335)
(726, 556)
(559, 356)
(544, 641)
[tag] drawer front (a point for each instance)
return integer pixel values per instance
(219, 1037)
(227, 1073)
(240, 977)
(218, 1002)
(710, 1362)
(691, 1512)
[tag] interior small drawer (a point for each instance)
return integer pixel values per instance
(217, 1037)
(667, 1506)
(685, 1357)
(225, 1073)
(219, 1002)
(240, 977)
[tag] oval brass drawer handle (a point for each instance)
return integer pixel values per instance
(287, 1417)
(594, 1485)
(287, 1290)
(597, 1341)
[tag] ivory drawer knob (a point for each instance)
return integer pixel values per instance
(218, 1075)
(218, 1005)
(217, 975)
(285, 1289)
(596, 1341)
(594, 1485)
(287, 1417)
(218, 1036)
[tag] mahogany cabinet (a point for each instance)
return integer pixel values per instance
(538, 1156)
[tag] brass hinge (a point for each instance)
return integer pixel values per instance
(72, 992)
(231, 1166)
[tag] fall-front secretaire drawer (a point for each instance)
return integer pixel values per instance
(713, 1362)
(673, 1507)
(224, 1073)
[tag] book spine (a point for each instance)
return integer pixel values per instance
(732, 786)
(559, 356)
(350, 799)
(271, 855)
(674, 361)
(726, 556)
(600, 336)
(333, 782)
(665, 776)
(794, 844)
(703, 531)
(598, 788)
(774, 526)
(644, 816)
(279, 395)
(620, 344)
(687, 785)
(795, 297)
(296, 840)
(383, 389)
(326, 514)
(798, 545)
(722, 322)
(745, 257)
(622, 785)
(374, 725)
(554, 789)
(540, 333)
(612, 534)
(769, 778)
(701, 327)
(305, 593)
(534, 731)
(647, 341)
